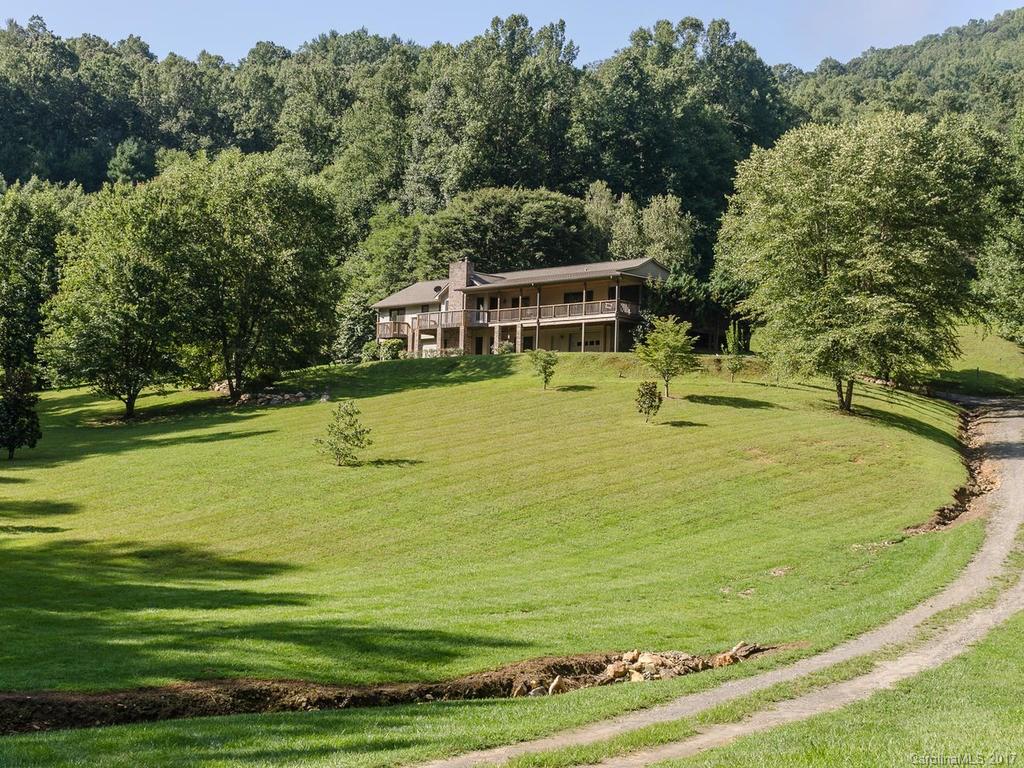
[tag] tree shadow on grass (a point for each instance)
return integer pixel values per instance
(391, 462)
(730, 402)
(23, 508)
(576, 388)
(16, 529)
(683, 423)
(909, 424)
(87, 614)
(77, 433)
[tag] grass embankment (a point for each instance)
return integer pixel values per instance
(494, 522)
(988, 365)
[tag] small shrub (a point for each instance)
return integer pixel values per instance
(390, 349)
(544, 362)
(648, 399)
(346, 435)
(370, 351)
(505, 348)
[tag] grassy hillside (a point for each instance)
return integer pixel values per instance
(988, 365)
(493, 521)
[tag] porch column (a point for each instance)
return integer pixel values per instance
(583, 323)
(495, 339)
(615, 342)
(536, 329)
(519, 337)
(497, 328)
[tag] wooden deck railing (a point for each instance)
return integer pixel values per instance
(580, 309)
(477, 317)
(392, 329)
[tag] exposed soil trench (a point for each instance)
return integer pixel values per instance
(50, 710)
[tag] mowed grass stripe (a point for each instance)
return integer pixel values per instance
(512, 522)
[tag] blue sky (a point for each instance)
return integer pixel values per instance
(797, 31)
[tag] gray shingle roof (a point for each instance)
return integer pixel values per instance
(423, 292)
(557, 274)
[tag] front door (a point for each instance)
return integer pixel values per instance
(479, 345)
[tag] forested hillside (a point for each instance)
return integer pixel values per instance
(387, 120)
(977, 67)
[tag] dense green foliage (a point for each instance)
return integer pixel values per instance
(978, 68)
(19, 422)
(854, 242)
(509, 229)
(117, 319)
(31, 219)
(258, 244)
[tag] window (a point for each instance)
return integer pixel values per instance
(493, 302)
(527, 343)
(574, 297)
(396, 314)
(590, 343)
(424, 307)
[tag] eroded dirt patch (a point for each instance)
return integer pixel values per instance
(982, 478)
(50, 710)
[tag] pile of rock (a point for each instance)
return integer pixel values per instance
(635, 667)
(273, 398)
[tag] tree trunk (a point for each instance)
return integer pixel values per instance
(666, 388)
(10, 453)
(839, 393)
(129, 405)
(849, 395)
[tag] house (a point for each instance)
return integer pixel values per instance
(576, 308)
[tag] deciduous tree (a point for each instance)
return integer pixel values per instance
(116, 320)
(856, 242)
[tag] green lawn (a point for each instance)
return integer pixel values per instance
(970, 706)
(496, 522)
(988, 365)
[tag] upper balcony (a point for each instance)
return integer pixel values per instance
(557, 313)
(545, 314)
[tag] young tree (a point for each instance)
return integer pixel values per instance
(19, 422)
(733, 351)
(544, 362)
(855, 241)
(117, 317)
(346, 435)
(648, 399)
(256, 244)
(668, 349)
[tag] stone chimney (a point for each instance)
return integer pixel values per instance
(459, 273)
